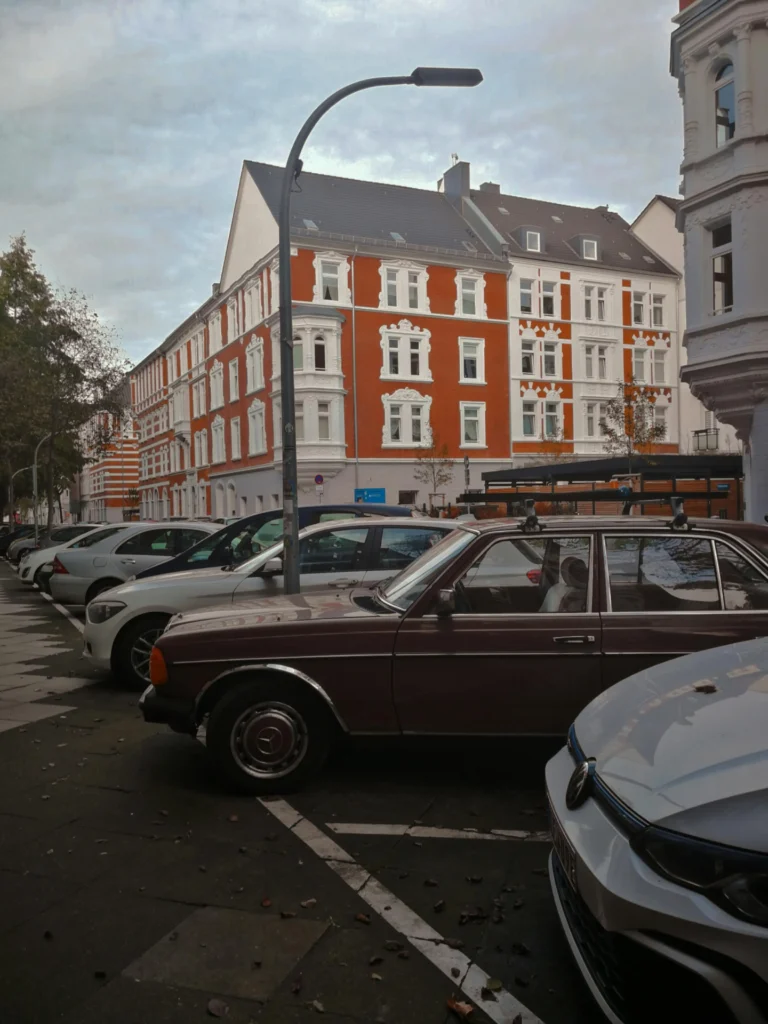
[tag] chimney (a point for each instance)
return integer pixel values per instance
(491, 186)
(215, 288)
(455, 182)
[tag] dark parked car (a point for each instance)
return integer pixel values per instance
(243, 538)
(47, 539)
(493, 631)
(16, 534)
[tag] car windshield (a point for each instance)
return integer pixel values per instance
(408, 585)
(255, 563)
(236, 543)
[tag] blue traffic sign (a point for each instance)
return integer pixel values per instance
(377, 495)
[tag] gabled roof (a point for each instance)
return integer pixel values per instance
(672, 203)
(370, 210)
(558, 236)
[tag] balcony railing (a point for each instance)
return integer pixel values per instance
(706, 440)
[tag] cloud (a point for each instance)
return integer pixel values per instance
(124, 125)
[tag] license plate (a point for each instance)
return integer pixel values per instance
(563, 848)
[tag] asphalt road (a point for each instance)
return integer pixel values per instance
(133, 888)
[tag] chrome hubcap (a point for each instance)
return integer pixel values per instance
(141, 651)
(269, 740)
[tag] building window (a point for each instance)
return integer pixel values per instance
(638, 364)
(256, 440)
(589, 249)
(725, 105)
(722, 269)
(323, 421)
(329, 281)
(299, 417)
(404, 287)
(406, 419)
(550, 359)
(526, 295)
(198, 349)
(472, 424)
(298, 353)
(254, 365)
(638, 307)
(217, 386)
(214, 332)
(529, 419)
(660, 419)
(233, 327)
(602, 362)
(548, 298)
(234, 427)
(471, 361)
(405, 354)
(253, 305)
(218, 441)
(319, 352)
(551, 419)
(657, 310)
(533, 241)
(234, 381)
(468, 296)
(601, 303)
(594, 302)
(596, 418)
(528, 357)
(331, 278)
(659, 366)
(470, 293)
(596, 361)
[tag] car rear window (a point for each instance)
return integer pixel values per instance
(98, 535)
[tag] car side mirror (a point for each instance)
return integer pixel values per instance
(273, 567)
(446, 602)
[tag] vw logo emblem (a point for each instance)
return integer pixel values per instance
(580, 784)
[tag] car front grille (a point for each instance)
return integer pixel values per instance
(639, 984)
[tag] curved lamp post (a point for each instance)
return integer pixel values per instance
(456, 77)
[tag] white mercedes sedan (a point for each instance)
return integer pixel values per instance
(123, 624)
(659, 813)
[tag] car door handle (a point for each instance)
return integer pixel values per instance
(128, 561)
(578, 639)
(340, 584)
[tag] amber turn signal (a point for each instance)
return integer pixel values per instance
(158, 671)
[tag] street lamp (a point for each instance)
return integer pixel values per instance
(10, 494)
(456, 77)
(34, 479)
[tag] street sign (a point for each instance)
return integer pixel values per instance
(377, 495)
(319, 479)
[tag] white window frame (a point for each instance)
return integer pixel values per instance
(555, 293)
(539, 413)
(214, 333)
(404, 333)
(527, 411)
(718, 253)
(722, 138)
(639, 361)
(402, 271)
(638, 303)
(660, 417)
(532, 241)
(657, 307)
(254, 365)
(596, 361)
(218, 441)
(464, 409)
(530, 290)
(481, 310)
(406, 399)
(558, 414)
(253, 304)
(216, 375)
(659, 360)
(327, 416)
(479, 360)
(596, 302)
(342, 267)
(595, 414)
(298, 419)
(235, 441)
(257, 437)
(539, 353)
(589, 246)
(234, 380)
(233, 320)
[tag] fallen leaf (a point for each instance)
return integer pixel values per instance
(474, 879)
(317, 1006)
(462, 1010)
(285, 914)
(256, 963)
(430, 883)
(403, 955)
(455, 972)
(705, 688)
(377, 977)
(100, 975)
(46, 797)
(454, 943)
(242, 849)
(392, 946)
(375, 960)
(521, 949)
(233, 817)
(522, 982)
(487, 995)
(217, 1008)
(271, 837)
(518, 904)
(266, 902)
(202, 867)
(296, 985)
(403, 874)
(494, 985)
(173, 936)
(308, 903)
(439, 907)
(363, 918)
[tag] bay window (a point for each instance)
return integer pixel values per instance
(597, 413)
(319, 352)
(722, 268)
(323, 421)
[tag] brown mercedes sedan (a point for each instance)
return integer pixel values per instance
(500, 629)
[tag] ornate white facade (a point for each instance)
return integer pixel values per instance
(720, 56)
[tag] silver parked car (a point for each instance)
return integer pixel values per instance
(100, 561)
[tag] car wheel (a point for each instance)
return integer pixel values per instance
(130, 660)
(99, 587)
(269, 736)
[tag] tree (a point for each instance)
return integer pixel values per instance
(132, 498)
(554, 450)
(629, 426)
(433, 466)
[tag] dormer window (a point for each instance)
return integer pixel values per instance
(589, 249)
(725, 105)
(533, 241)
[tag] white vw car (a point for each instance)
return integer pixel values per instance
(122, 625)
(32, 561)
(660, 828)
(98, 562)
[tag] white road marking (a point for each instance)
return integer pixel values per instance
(64, 611)
(422, 936)
(429, 832)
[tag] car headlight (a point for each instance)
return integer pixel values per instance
(737, 880)
(100, 611)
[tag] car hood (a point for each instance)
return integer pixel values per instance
(264, 611)
(685, 744)
(190, 578)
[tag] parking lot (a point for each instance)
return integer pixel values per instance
(134, 888)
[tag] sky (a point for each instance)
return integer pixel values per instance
(124, 123)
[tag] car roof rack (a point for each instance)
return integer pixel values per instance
(531, 522)
(679, 519)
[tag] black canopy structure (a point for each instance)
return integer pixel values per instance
(638, 468)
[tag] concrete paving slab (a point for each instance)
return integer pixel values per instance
(28, 712)
(215, 950)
